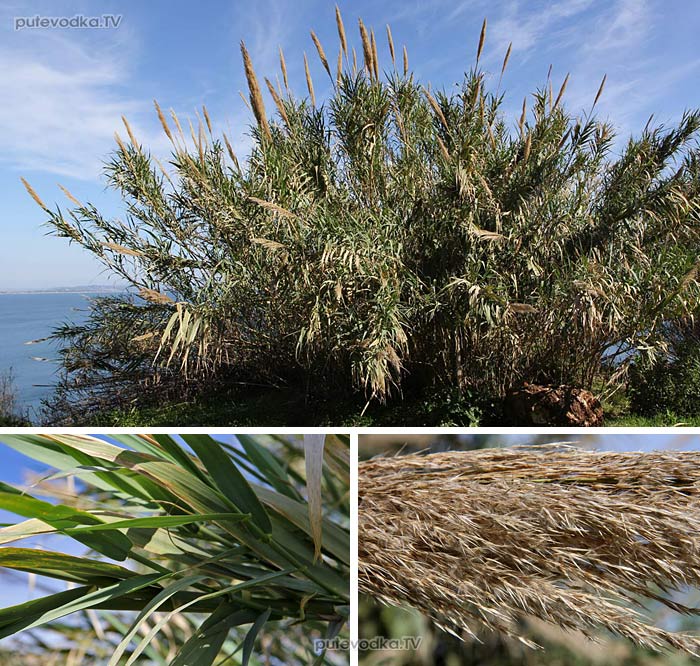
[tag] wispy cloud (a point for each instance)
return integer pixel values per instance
(61, 107)
(625, 26)
(527, 28)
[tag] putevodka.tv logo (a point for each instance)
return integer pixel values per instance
(366, 644)
(61, 22)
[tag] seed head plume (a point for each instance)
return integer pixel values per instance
(579, 539)
(390, 41)
(231, 152)
(321, 54)
(375, 56)
(33, 194)
(309, 82)
(523, 117)
(278, 102)
(366, 48)
(436, 107)
(600, 90)
(207, 119)
(163, 122)
(256, 100)
(176, 120)
(283, 67)
(341, 31)
(132, 138)
(405, 61)
(71, 197)
(505, 64)
(561, 92)
(482, 39)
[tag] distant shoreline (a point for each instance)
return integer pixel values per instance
(87, 290)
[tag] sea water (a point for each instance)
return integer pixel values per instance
(28, 317)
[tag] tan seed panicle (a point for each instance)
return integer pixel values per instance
(33, 194)
(207, 119)
(70, 197)
(505, 60)
(132, 138)
(283, 67)
(256, 100)
(482, 39)
(163, 122)
(321, 54)
(578, 539)
(309, 82)
(341, 31)
(366, 47)
(600, 90)
(390, 41)
(375, 57)
(561, 92)
(278, 102)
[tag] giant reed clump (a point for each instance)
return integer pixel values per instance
(579, 539)
(390, 230)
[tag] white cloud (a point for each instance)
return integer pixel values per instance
(526, 27)
(623, 28)
(62, 104)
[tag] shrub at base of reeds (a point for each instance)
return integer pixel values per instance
(579, 539)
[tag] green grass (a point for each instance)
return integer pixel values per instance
(657, 421)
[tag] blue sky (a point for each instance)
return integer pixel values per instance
(63, 91)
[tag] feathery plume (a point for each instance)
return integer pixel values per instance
(132, 138)
(600, 90)
(176, 120)
(375, 57)
(390, 40)
(477, 539)
(321, 54)
(482, 39)
(341, 31)
(436, 107)
(231, 154)
(33, 194)
(207, 119)
(70, 196)
(256, 100)
(528, 147)
(163, 122)
(561, 92)
(283, 67)
(278, 102)
(506, 59)
(309, 82)
(366, 48)
(405, 61)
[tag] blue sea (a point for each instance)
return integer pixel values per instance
(27, 317)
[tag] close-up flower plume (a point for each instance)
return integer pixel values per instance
(480, 540)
